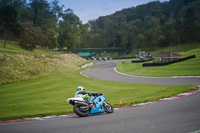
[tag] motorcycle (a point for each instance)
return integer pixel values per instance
(96, 104)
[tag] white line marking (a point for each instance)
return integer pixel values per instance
(136, 76)
(37, 118)
(185, 94)
(143, 104)
(84, 74)
(155, 77)
(170, 98)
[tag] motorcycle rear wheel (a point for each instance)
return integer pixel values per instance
(78, 109)
(108, 108)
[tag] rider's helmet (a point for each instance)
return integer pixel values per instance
(81, 88)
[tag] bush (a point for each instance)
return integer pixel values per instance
(32, 36)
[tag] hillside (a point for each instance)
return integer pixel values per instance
(152, 25)
(16, 65)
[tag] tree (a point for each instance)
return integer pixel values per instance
(4, 3)
(32, 37)
(132, 34)
(178, 31)
(39, 7)
(8, 21)
(170, 31)
(52, 38)
(154, 33)
(56, 9)
(190, 17)
(69, 31)
(46, 17)
(125, 39)
(84, 36)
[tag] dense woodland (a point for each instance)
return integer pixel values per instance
(39, 23)
(51, 25)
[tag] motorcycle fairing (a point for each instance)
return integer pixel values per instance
(75, 99)
(98, 101)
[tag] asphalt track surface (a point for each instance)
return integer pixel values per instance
(176, 116)
(105, 71)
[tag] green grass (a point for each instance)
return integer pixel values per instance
(11, 48)
(186, 68)
(47, 95)
(15, 66)
(14, 48)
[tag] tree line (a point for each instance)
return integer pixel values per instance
(50, 25)
(150, 25)
(39, 23)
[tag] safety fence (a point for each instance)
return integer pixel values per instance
(86, 65)
(167, 63)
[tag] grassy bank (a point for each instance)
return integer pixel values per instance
(185, 68)
(13, 48)
(46, 95)
(17, 64)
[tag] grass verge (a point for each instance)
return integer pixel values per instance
(47, 95)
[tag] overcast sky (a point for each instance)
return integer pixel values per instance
(92, 9)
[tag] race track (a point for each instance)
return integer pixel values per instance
(181, 115)
(175, 116)
(105, 71)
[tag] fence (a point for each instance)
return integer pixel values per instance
(167, 63)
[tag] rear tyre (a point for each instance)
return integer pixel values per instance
(81, 110)
(108, 108)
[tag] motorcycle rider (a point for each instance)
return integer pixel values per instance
(84, 94)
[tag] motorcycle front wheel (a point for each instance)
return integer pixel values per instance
(108, 108)
(81, 110)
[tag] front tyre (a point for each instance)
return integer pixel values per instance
(108, 108)
(81, 110)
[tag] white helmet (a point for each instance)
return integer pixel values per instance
(80, 88)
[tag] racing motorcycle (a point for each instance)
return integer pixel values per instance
(96, 104)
